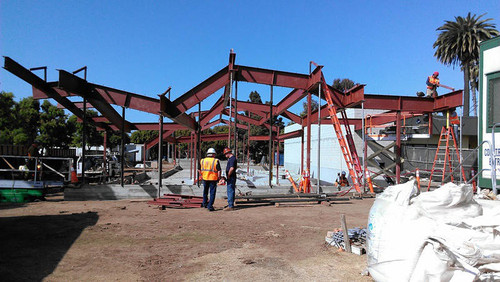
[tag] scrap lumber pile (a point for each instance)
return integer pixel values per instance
(177, 201)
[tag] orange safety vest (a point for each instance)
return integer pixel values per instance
(454, 119)
(209, 170)
(433, 81)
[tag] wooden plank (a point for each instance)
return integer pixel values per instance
(347, 242)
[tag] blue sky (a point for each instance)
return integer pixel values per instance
(146, 46)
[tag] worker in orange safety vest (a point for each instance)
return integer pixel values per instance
(432, 85)
(210, 172)
(455, 122)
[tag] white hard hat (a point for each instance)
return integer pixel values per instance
(211, 151)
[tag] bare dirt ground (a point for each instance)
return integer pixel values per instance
(55, 240)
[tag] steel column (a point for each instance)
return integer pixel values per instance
(398, 147)
(235, 119)
(271, 137)
(319, 136)
(122, 148)
(308, 150)
(84, 138)
(160, 155)
(104, 153)
(248, 150)
(302, 151)
(278, 159)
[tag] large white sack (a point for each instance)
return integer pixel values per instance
(396, 232)
(436, 236)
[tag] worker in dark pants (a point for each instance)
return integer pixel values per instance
(341, 180)
(232, 164)
(210, 172)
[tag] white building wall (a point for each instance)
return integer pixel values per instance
(331, 159)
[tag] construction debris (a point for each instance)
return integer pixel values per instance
(177, 201)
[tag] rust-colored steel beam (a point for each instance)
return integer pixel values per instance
(293, 134)
(242, 118)
(154, 126)
(291, 116)
(204, 138)
(258, 109)
(291, 99)
(128, 99)
(239, 125)
(413, 104)
(261, 138)
(43, 87)
(215, 110)
(77, 104)
(73, 83)
(202, 90)
(277, 78)
(168, 109)
(166, 136)
(211, 124)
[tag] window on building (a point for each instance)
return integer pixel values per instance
(493, 92)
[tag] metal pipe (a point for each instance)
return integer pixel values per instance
(461, 162)
(470, 154)
(319, 137)
(271, 138)
(248, 150)
(308, 145)
(230, 108)
(278, 159)
(398, 147)
(235, 119)
(302, 151)
(160, 155)
(84, 138)
(104, 153)
(363, 133)
(122, 148)
(198, 147)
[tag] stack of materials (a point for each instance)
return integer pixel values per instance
(177, 201)
(357, 237)
(444, 235)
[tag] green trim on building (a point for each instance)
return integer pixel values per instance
(483, 46)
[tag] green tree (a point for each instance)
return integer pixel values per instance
(7, 117)
(28, 119)
(55, 131)
(94, 138)
(143, 136)
(314, 107)
(458, 44)
(343, 84)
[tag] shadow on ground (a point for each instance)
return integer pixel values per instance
(31, 247)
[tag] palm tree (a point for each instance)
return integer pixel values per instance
(458, 45)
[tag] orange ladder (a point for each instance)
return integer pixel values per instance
(446, 133)
(348, 148)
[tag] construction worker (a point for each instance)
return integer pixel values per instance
(454, 121)
(231, 178)
(432, 85)
(210, 172)
(341, 180)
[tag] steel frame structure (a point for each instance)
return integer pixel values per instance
(302, 85)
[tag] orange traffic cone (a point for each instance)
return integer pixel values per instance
(74, 178)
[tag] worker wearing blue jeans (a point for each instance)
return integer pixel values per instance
(231, 178)
(210, 172)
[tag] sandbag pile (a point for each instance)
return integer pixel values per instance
(443, 235)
